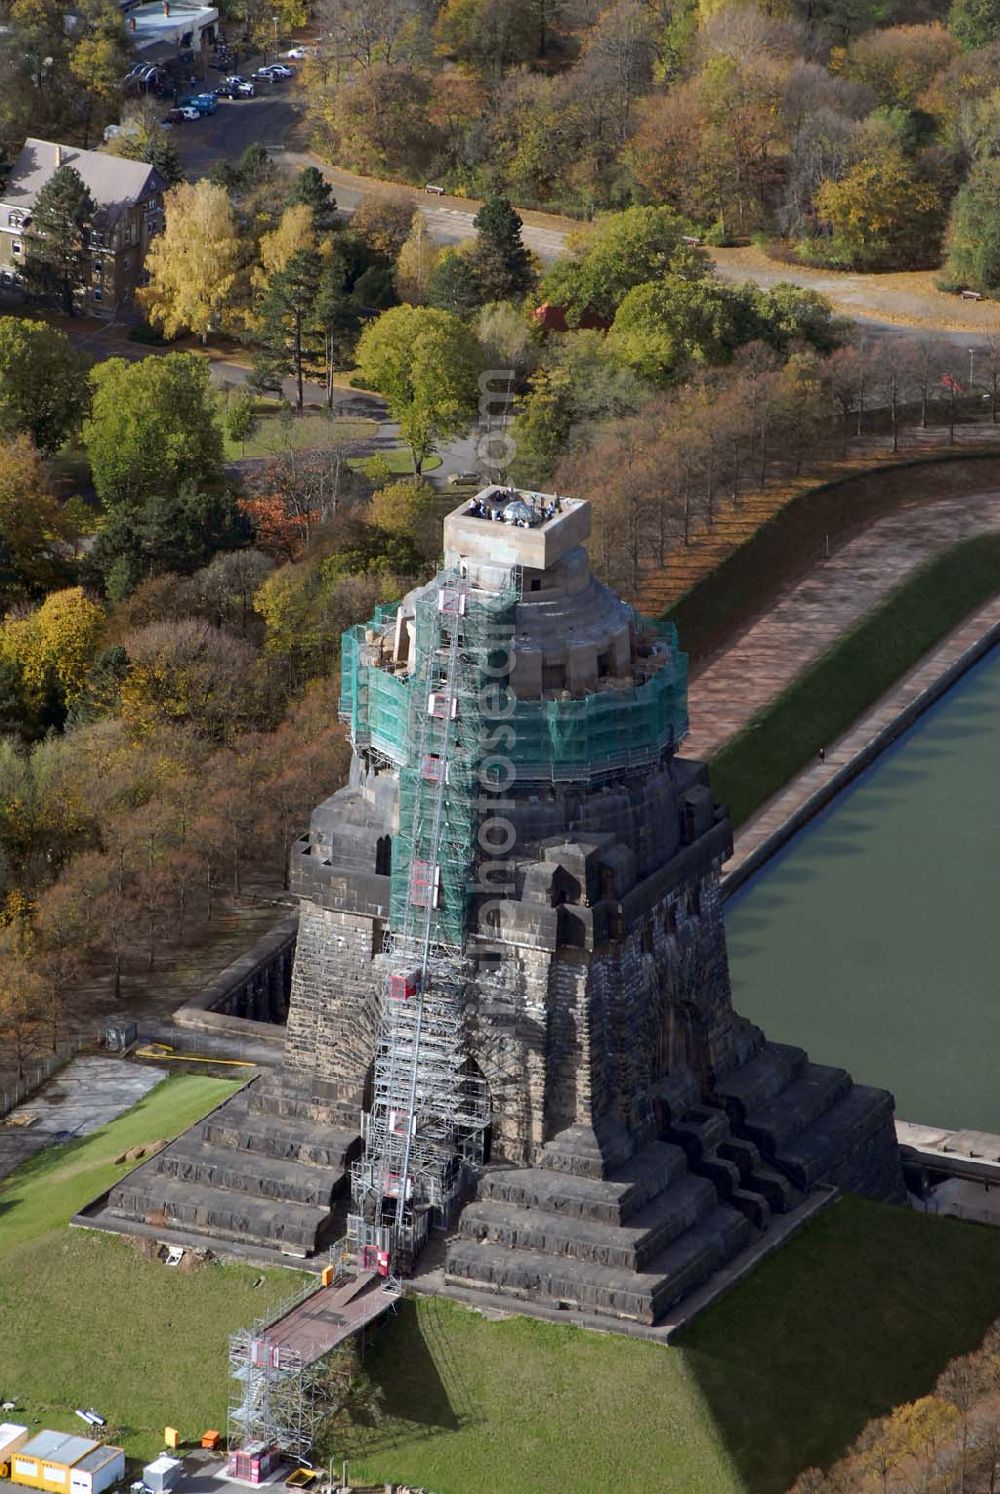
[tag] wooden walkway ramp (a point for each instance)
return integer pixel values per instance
(317, 1325)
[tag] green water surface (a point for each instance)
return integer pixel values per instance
(873, 939)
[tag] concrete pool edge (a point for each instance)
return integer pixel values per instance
(812, 790)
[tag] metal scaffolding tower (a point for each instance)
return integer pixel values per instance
(429, 1114)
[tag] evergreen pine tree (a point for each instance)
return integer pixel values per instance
(455, 285)
(501, 261)
(58, 242)
(287, 334)
(312, 188)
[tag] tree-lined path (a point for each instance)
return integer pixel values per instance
(775, 649)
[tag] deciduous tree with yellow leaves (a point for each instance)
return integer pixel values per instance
(193, 264)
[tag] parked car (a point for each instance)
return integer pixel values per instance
(244, 88)
(279, 70)
(461, 479)
(299, 54)
(206, 102)
(188, 111)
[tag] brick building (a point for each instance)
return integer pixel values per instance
(129, 199)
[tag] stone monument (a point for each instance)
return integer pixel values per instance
(517, 793)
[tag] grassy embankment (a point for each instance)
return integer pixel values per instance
(87, 1320)
(858, 1312)
(851, 676)
(861, 1310)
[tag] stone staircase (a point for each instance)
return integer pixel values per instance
(612, 1223)
(264, 1169)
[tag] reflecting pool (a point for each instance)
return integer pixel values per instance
(873, 938)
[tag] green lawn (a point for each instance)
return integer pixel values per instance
(398, 460)
(88, 1320)
(821, 704)
(858, 1312)
(314, 430)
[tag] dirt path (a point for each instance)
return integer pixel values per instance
(765, 659)
(905, 299)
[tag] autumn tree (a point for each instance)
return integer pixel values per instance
(622, 250)
(33, 527)
(488, 35)
(376, 122)
(43, 391)
(882, 214)
(425, 362)
(383, 221)
(192, 265)
(57, 244)
(368, 32)
(53, 646)
(98, 60)
(416, 262)
(972, 242)
(189, 672)
(142, 138)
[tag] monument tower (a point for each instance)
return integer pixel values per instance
(511, 1015)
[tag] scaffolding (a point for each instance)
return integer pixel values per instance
(425, 1129)
(578, 740)
(273, 1388)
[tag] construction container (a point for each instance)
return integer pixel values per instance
(254, 1463)
(162, 1474)
(67, 1464)
(12, 1438)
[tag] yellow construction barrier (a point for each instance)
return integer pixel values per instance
(164, 1052)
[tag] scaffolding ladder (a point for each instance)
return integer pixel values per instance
(429, 1114)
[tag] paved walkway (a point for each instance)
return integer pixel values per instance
(805, 623)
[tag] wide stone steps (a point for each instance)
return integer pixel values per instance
(859, 1117)
(641, 1295)
(626, 1247)
(285, 1137)
(778, 1123)
(192, 1159)
(749, 1088)
(588, 1152)
(165, 1201)
(610, 1201)
(275, 1095)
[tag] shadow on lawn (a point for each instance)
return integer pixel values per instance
(405, 1365)
(858, 1313)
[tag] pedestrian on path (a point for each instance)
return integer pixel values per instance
(822, 754)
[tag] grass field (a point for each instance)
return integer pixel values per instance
(276, 435)
(88, 1320)
(858, 1312)
(398, 460)
(821, 704)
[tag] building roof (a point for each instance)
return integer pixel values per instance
(112, 182)
(9, 1430)
(58, 1447)
(102, 1454)
(162, 1464)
